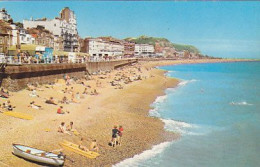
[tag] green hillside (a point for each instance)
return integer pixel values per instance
(163, 42)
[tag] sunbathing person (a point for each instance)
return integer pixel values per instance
(50, 101)
(81, 146)
(65, 90)
(10, 108)
(78, 96)
(4, 94)
(35, 106)
(34, 93)
(71, 90)
(64, 100)
(60, 110)
(85, 91)
(4, 106)
(93, 146)
(62, 128)
(70, 127)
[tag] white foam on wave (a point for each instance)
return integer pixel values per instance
(242, 103)
(185, 82)
(160, 99)
(154, 113)
(181, 127)
(137, 159)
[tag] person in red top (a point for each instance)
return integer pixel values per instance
(60, 111)
(120, 134)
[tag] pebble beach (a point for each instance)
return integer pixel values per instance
(93, 115)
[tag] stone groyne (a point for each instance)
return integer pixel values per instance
(93, 67)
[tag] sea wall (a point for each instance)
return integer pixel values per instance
(16, 77)
(93, 67)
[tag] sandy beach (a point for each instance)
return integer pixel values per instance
(94, 115)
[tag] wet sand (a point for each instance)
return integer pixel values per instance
(94, 117)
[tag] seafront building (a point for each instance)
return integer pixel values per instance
(145, 50)
(4, 15)
(5, 36)
(129, 49)
(103, 48)
(64, 26)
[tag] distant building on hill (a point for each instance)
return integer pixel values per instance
(64, 29)
(41, 37)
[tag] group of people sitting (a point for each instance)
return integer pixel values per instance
(7, 106)
(66, 129)
(92, 147)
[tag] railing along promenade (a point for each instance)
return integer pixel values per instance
(10, 60)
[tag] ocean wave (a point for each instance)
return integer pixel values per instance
(160, 99)
(154, 113)
(135, 161)
(180, 127)
(242, 103)
(185, 82)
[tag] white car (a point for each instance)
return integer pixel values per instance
(2, 58)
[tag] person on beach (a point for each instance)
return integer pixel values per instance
(120, 134)
(81, 146)
(93, 146)
(85, 91)
(78, 96)
(35, 106)
(65, 90)
(62, 128)
(50, 101)
(70, 126)
(4, 94)
(114, 136)
(4, 106)
(34, 93)
(64, 100)
(60, 110)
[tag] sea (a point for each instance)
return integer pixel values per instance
(216, 109)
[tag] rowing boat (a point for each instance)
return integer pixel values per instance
(75, 148)
(37, 155)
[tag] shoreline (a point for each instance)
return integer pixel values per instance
(94, 119)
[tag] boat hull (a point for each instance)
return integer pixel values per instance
(37, 158)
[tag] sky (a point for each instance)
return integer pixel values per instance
(221, 29)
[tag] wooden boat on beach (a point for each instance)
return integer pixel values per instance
(38, 156)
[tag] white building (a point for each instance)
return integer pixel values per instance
(64, 26)
(144, 50)
(4, 15)
(100, 49)
(24, 37)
